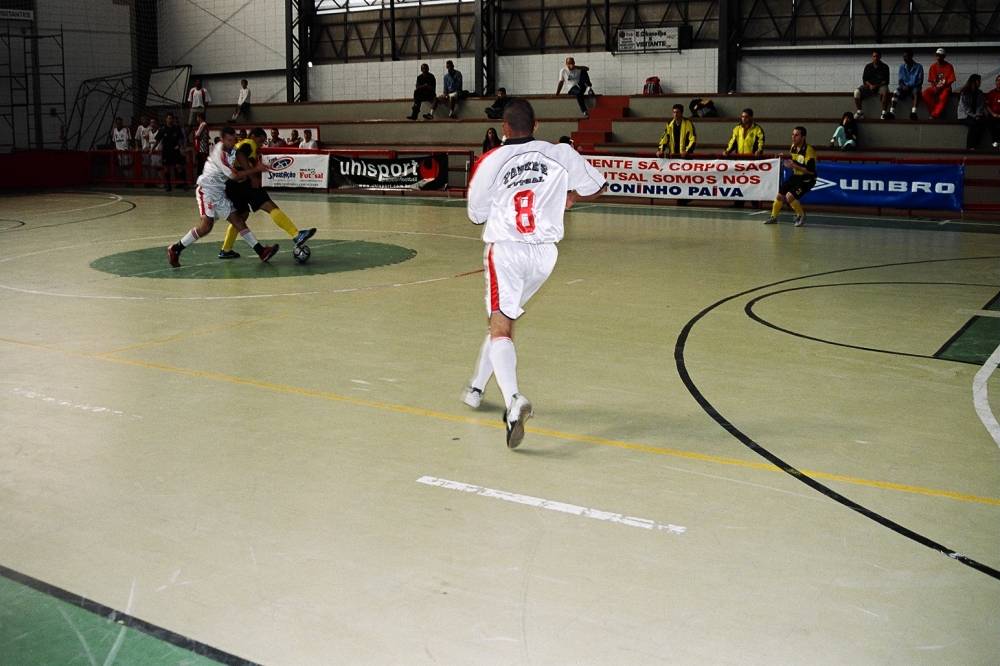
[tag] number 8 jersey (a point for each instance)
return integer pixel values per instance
(519, 190)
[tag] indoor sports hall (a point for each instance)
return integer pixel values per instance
(751, 443)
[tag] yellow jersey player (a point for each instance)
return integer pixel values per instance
(247, 195)
(802, 162)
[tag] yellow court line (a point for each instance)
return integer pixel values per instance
(492, 423)
(186, 334)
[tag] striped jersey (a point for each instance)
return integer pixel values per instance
(519, 190)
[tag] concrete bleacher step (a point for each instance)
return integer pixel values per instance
(382, 122)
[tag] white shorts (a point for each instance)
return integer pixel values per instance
(514, 272)
(212, 202)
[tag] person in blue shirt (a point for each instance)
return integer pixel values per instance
(452, 89)
(911, 80)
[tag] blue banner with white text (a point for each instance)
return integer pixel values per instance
(924, 186)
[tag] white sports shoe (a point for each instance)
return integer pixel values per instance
(472, 396)
(799, 220)
(515, 418)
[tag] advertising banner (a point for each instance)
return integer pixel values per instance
(641, 40)
(924, 186)
(296, 170)
(650, 177)
(422, 172)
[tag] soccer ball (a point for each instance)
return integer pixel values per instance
(301, 253)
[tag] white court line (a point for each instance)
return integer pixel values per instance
(980, 395)
(562, 507)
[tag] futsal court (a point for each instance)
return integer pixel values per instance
(752, 444)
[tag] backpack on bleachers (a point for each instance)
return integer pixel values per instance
(652, 87)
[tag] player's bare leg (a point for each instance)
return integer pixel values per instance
(503, 357)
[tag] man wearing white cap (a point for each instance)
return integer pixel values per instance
(940, 78)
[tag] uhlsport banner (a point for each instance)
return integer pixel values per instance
(422, 172)
(729, 180)
(923, 186)
(296, 170)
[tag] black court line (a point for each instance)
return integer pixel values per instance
(32, 227)
(749, 310)
(792, 471)
(12, 224)
(125, 619)
(961, 331)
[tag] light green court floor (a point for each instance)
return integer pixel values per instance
(752, 444)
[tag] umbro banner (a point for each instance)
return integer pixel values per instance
(300, 170)
(922, 186)
(728, 180)
(422, 172)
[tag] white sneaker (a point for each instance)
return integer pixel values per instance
(858, 115)
(472, 396)
(799, 220)
(515, 418)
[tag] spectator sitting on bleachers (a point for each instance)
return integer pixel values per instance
(294, 140)
(972, 111)
(424, 91)
(679, 136)
(275, 141)
(452, 89)
(748, 137)
(309, 141)
(993, 114)
(845, 137)
(874, 79)
(940, 77)
(578, 78)
(911, 80)
(242, 101)
(495, 110)
(491, 141)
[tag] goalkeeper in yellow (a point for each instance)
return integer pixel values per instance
(247, 194)
(802, 162)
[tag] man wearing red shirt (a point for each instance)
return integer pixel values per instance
(940, 78)
(993, 114)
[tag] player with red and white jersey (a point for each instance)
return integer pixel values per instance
(213, 203)
(520, 191)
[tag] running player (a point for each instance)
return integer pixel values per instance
(802, 162)
(520, 191)
(213, 204)
(248, 195)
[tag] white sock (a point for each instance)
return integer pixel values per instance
(484, 367)
(189, 238)
(249, 237)
(504, 360)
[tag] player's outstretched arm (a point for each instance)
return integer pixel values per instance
(573, 196)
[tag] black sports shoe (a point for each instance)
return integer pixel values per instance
(229, 254)
(913, 115)
(428, 116)
(303, 236)
(889, 115)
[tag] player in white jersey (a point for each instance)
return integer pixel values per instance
(520, 191)
(121, 137)
(213, 203)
